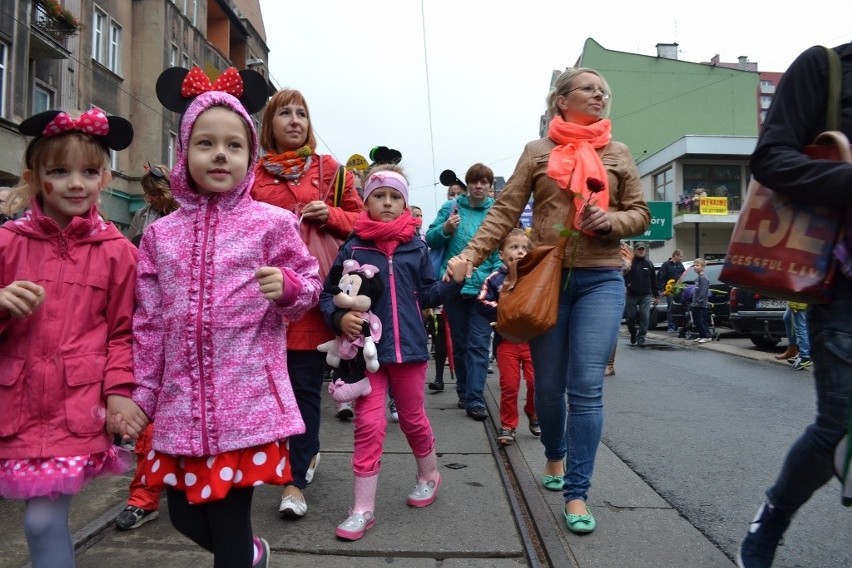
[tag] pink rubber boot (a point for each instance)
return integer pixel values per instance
(361, 517)
(428, 481)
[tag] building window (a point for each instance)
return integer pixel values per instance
(4, 54)
(714, 180)
(173, 56)
(185, 61)
(113, 160)
(171, 149)
(42, 98)
(194, 12)
(664, 186)
(106, 41)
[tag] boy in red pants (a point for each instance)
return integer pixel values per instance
(144, 502)
(512, 358)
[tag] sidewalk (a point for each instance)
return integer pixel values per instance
(470, 524)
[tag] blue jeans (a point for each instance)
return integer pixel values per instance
(471, 334)
(810, 462)
(637, 314)
(669, 316)
(796, 327)
(570, 359)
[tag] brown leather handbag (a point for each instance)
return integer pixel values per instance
(529, 299)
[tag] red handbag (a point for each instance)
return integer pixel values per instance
(784, 248)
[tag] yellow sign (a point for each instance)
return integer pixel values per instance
(357, 162)
(713, 206)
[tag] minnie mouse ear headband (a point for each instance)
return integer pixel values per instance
(177, 87)
(114, 132)
(449, 177)
(385, 155)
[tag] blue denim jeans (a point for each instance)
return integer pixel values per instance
(800, 330)
(570, 359)
(809, 463)
(471, 335)
(637, 313)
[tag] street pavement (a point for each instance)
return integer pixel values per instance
(491, 510)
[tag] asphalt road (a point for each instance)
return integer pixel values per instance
(708, 432)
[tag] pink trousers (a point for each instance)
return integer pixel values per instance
(407, 383)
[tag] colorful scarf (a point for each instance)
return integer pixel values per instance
(288, 165)
(387, 236)
(575, 164)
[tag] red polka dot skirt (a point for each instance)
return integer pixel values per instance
(209, 478)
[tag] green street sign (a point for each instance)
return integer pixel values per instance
(660, 228)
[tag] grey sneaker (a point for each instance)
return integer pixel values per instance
(506, 436)
(802, 363)
(134, 517)
(392, 409)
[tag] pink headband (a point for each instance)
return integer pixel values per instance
(386, 179)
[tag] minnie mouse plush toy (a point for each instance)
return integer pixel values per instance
(358, 289)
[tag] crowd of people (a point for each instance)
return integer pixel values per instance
(206, 329)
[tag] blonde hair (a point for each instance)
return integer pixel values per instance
(385, 168)
(44, 151)
(158, 190)
(564, 83)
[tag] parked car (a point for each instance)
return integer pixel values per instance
(719, 294)
(758, 316)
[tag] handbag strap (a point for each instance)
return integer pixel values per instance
(338, 183)
(832, 113)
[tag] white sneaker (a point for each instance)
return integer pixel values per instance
(705, 340)
(293, 506)
(392, 409)
(345, 411)
(312, 468)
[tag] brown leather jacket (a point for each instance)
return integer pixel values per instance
(553, 206)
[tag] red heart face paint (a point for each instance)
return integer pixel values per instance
(48, 187)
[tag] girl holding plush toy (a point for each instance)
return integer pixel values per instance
(384, 237)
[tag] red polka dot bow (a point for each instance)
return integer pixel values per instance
(196, 82)
(92, 122)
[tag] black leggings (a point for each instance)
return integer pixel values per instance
(221, 527)
(440, 343)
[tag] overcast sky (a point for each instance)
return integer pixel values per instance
(362, 66)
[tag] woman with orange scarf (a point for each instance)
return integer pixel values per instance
(583, 182)
(293, 176)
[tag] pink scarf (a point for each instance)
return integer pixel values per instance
(574, 162)
(387, 236)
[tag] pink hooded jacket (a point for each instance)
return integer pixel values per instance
(209, 350)
(58, 365)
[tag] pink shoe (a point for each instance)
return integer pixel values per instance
(355, 525)
(424, 493)
(345, 392)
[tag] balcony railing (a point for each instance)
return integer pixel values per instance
(56, 28)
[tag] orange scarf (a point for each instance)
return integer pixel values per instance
(574, 161)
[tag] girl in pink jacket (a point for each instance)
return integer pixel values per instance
(217, 280)
(66, 301)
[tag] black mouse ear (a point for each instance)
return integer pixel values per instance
(448, 177)
(377, 152)
(120, 133)
(394, 156)
(34, 125)
(168, 88)
(255, 91)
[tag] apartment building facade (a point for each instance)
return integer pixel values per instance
(74, 54)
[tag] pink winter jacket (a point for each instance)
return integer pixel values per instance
(209, 349)
(58, 365)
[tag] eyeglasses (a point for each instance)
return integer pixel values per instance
(590, 90)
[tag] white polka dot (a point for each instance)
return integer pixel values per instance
(226, 474)
(155, 466)
(170, 479)
(210, 462)
(143, 481)
(189, 479)
(256, 483)
(259, 458)
(72, 463)
(239, 476)
(205, 493)
(150, 455)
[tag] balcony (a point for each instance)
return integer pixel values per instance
(51, 26)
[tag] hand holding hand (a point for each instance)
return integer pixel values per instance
(21, 298)
(350, 324)
(595, 219)
(316, 210)
(271, 281)
(124, 417)
(457, 268)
